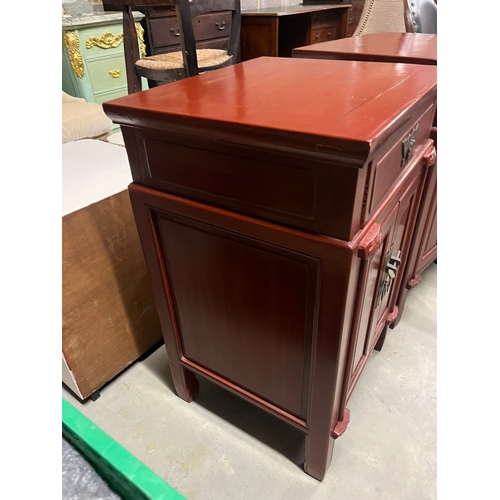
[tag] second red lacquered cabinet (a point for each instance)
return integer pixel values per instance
(275, 210)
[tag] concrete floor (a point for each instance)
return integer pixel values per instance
(220, 447)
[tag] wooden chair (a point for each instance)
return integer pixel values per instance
(190, 60)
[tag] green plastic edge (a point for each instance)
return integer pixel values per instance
(123, 472)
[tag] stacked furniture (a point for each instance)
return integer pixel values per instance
(275, 211)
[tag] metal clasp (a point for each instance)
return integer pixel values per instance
(407, 145)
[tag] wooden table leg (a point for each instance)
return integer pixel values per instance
(185, 382)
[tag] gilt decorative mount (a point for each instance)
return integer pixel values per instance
(106, 41)
(72, 44)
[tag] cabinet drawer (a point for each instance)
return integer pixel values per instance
(164, 11)
(324, 34)
(165, 31)
(387, 166)
(101, 42)
(107, 74)
(113, 94)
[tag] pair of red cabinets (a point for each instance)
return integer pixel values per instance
(281, 205)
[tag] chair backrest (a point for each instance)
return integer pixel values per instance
(186, 11)
(420, 16)
(381, 16)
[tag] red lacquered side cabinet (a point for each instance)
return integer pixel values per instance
(274, 225)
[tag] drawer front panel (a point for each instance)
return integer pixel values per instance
(108, 96)
(324, 34)
(165, 31)
(101, 42)
(387, 166)
(212, 25)
(161, 11)
(107, 74)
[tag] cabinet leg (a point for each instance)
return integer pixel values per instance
(95, 396)
(185, 382)
(319, 450)
(381, 339)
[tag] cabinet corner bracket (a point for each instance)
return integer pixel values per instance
(371, 242)
(341, 425)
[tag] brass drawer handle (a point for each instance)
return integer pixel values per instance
(178, 33)
(222, 26)
(115, 73)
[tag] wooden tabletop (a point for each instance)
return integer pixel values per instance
(300, 103)
(416, 48)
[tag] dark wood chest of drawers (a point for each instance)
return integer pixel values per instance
(273, 226)
(276, 31)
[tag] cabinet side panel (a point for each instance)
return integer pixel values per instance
(244, 308)
(259, 37)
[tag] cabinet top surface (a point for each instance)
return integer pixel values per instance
(287, 10)
(397, 46)
(84, 21)
(285, 99)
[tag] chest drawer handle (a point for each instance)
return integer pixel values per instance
(407, 145)
(220, 26)
(176, 33)
(115, 73)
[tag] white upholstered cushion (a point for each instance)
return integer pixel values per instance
(82, 119)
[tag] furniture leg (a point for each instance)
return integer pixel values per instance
(95, 396)
(185, 382)
(381, 339)
(319, 450)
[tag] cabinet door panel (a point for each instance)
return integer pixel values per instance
(396, 218)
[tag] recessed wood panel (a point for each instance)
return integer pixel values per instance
(258, 38)
(244, 309)
(281, 188)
